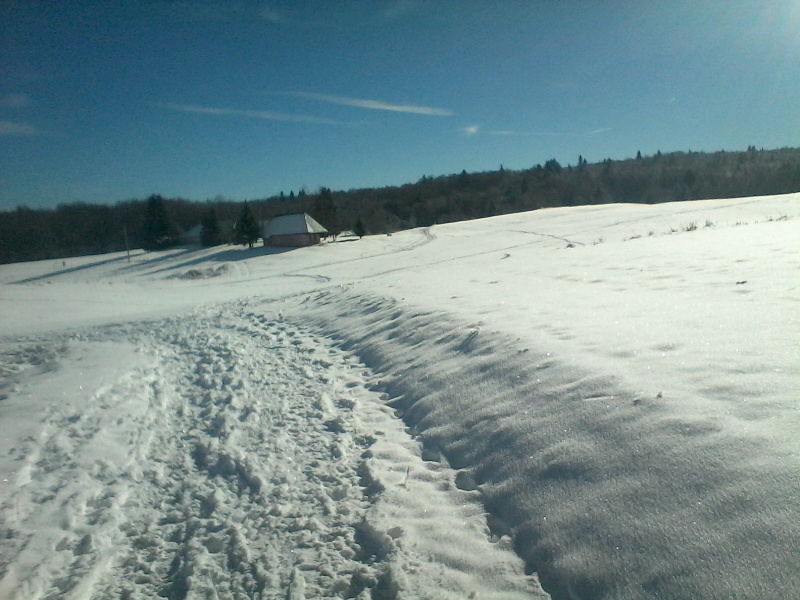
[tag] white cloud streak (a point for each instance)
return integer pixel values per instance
(375, 104)
(11, 128)
(476, 130)
(15, 101)
(219, 11)
(271, 15)
(252, 114)
(399, 9)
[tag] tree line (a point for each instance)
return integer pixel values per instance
(81, 229)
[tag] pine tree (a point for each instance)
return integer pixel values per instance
(159, 231)
(210, 235)
(552, 166)
(247, 228)
(326, 213)
(359, 228)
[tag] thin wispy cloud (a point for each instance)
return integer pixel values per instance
(15, 100)
(12, 128)
(601, 130)
(476, 130)
(252, 114)
(273, 16)
(375, 104)
(399, 9)
(200, 10)
(471, 130)
(220, 11)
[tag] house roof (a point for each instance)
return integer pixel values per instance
(292, 224)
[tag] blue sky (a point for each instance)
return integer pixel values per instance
(102, 101)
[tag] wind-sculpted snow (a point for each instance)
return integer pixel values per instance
(608, 492)
(604, 397)
(227, 454)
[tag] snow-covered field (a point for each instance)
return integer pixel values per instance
(602, 399)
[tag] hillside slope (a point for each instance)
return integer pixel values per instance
(610, 391)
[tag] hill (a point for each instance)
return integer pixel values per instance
(598, 401)
(82, 229)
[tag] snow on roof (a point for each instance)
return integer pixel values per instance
(292, 224)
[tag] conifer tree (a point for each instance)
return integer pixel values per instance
(552, 166)
(326, 213)
(247, 228)
(359, 228)
(159, 231)
(210, 235)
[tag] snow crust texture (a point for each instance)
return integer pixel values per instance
(602, 400)
(609, 492)
(229, 455)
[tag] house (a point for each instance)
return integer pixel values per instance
(293, 230)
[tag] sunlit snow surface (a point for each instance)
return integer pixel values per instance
(604, 399)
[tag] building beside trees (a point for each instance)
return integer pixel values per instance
(153, 223)
(295, 230)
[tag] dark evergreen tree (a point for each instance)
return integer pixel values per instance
(326, 213)
(552, 166)
(247, 228)
(210, 235)
(79, 229)
(359, 228)
(159, 230)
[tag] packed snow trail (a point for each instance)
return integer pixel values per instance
(227, 454)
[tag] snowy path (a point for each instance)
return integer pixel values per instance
(227, 454)
(624, 408)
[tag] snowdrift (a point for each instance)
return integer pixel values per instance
(601, 399)
(608, 492)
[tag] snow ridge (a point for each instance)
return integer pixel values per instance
(232, 455)
(607, 492)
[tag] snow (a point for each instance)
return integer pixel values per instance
(601, 399)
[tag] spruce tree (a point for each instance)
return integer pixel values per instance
(247, 228)
(159, 230)
(210, 235)
(326, 213)
(359, 228)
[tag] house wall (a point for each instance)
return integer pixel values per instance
(294, 239)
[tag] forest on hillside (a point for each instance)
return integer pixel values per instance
(80, 229)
